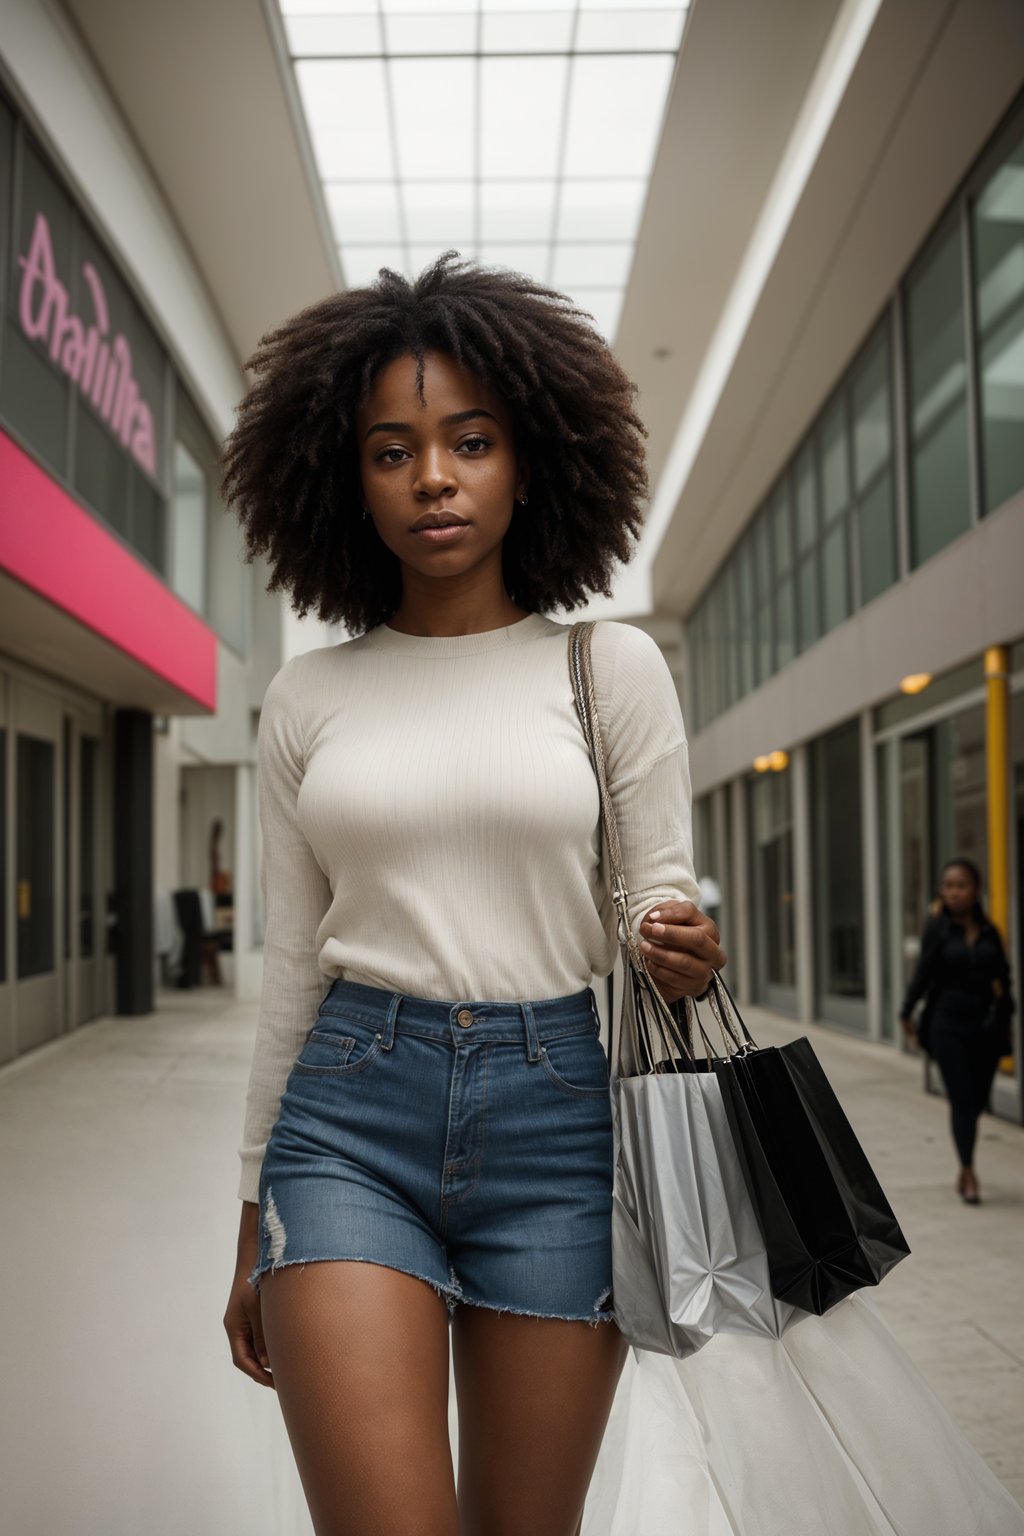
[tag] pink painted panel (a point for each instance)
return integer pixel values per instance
(53, 545)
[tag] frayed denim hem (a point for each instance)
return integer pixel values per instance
(448, 1293)
(452, 1293)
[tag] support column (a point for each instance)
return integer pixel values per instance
(872, 878)
(723, 870)
(742, 945)
(803, 884)
(133, 859)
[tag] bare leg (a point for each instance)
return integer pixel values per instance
(534, 1397)
(359, 1355)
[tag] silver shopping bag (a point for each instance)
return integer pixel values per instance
(688, 1258)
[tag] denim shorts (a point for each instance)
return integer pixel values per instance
(466, 1143)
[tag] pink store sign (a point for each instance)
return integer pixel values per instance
(58, 549)
(98, 363)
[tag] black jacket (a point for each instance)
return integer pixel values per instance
(958, 977)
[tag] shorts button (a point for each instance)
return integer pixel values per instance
(464, 1017)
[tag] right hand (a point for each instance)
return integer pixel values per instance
(910, 1030)
(243, 1320)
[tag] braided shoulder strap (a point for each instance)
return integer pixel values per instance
(649, 1030)
(586, 705)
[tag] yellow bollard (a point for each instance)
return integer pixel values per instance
(997, 767)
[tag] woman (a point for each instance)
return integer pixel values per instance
(438, 465)
(964, 1026)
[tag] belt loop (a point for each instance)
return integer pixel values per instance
(388, 1032)
(532, 1043)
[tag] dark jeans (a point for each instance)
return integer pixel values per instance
(967, 1062)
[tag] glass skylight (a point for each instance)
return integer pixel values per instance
(520, 133)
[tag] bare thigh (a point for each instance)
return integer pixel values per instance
(534, 1396)
(359, 1355)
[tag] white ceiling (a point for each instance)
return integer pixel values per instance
(520, 132)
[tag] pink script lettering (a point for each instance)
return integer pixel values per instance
(100, 365)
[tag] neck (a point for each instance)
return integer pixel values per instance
(432, 615)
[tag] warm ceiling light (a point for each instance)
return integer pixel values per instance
(762, 764)
(915, 682)
(778, 760)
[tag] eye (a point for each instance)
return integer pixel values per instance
(386, 456)
(475, 445)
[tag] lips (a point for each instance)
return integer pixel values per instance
(438, 520)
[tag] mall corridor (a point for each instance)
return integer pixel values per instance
(122, 1412)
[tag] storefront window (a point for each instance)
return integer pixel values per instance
(937, 403)
(35, 394)
(83, 377)
(188, 499)
(872, 468)
(805, 491)
(999, 300)
(835, 506)
(942, 813)
(727, 583)
(839, 877)
(765, 595)
(6, 176)
(745, 617)
(785, 602)
(771, 821)
(961, 823)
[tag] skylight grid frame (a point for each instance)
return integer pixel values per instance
(545, 250)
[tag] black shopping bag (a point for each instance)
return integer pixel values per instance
(827, 1226)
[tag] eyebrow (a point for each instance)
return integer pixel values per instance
(447, 421)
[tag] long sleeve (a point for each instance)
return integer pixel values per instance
(297, 895)
(648, 769)
(927, 965)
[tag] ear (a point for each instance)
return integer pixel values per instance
(522, 478)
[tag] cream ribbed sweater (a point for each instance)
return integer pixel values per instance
(431, 824)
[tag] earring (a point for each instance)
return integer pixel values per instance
(365, 512)
(522, 500)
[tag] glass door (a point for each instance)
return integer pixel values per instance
(774, 934)
(917, 876)
(81, 871)
(37, 877)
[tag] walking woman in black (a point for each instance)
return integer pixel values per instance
(964, 975)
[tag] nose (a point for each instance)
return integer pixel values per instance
(435, 476)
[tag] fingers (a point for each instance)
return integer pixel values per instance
(244, 1328)
(699, 939)
(681, 948)
(679, 974)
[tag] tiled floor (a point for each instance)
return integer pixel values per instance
(119, 1410)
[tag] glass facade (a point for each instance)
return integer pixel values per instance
(87, 387)
(771, 823)
(936, 350)
(839, 877)
(827, 539)
(874, 485)
(998, 237)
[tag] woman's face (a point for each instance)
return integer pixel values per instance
(449, 458)
(958, 889)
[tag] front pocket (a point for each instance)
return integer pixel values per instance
(577, 1064)
(325, 1055)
